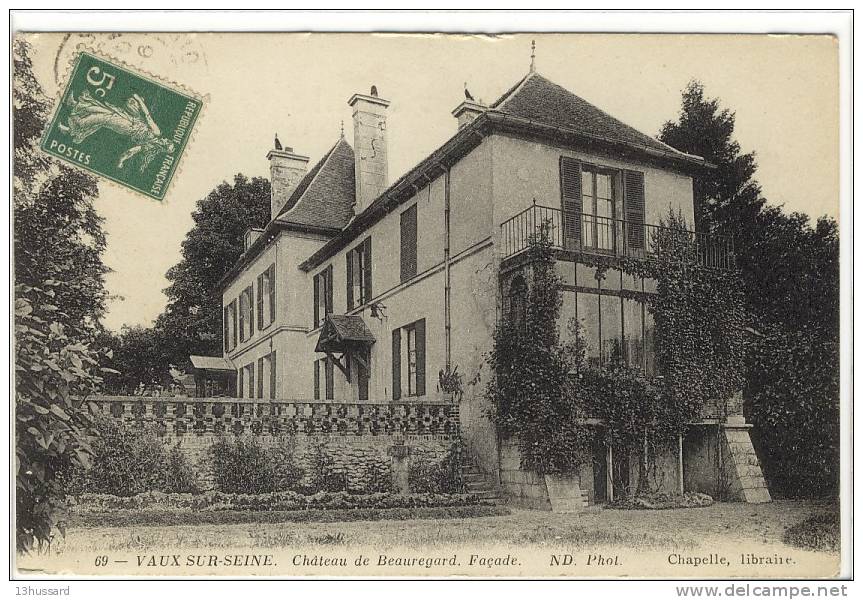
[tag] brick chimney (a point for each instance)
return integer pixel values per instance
(286, 171)
(370, 147)
(467, 111)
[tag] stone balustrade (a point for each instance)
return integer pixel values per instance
(180, 416)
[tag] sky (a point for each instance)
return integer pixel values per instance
(783, 89)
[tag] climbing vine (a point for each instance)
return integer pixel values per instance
(699, 346)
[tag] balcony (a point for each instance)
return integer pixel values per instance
(604, 236)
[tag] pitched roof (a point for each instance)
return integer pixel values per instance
(325, 196)
(538, 99)
(341, 329)
(211, 363)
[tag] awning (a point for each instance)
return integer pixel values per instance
(349, 336)
(211, 363)
(343, 333)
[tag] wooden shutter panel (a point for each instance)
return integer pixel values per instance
(409, 243)
(242, 316)
(317, 299)
(273, 375)
(420, 332)
(261, 301)
(367, 284)
(349, 270)
(317, 380)
(240, 389)
(225, 328)
(272, 271)
(234, 324)
(397, 364)
(250, 295)
(251, 380)
(328, 372)
(330, 290)
(633, 207)
(570, 201)
(261, 377)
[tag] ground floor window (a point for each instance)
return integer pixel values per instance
(246, 381)
(409, 360)
(324, 384)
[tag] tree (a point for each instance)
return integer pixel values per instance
(52, 423)
(59, 301)
(137, 357)
(192, 320)
(57, 231)
(790, 273)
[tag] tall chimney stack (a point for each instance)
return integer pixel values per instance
(286, 171)
(370, 147)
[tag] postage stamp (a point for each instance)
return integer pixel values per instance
(121, 125)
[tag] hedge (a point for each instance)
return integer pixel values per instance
(275, 501)
(160, 518)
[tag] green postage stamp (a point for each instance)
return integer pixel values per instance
(121, 125)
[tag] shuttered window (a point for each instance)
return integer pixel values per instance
(358, 270)
(267, 297)
(409, 243)
(317, 376)
(247, 314)
(240, 389)
(328, 372)
(261, 374)
(225, 330)
(633, 206)
(229, 330)
(323, 295)
(570, 192)
(409, 360)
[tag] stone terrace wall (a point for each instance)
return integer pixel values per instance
(360, 438)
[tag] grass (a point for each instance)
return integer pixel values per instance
(818, 532)
(128, 518)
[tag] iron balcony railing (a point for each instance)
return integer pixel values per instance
(591, 234)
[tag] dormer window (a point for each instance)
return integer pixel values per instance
(250, 237)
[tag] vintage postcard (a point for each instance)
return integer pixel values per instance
(441, 305)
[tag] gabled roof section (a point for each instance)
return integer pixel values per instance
(342, 332)
(537, 99)
(324, 198)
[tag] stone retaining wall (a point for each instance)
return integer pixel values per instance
(362, 440)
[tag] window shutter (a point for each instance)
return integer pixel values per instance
(317, 380)
(570, 201)
(633, 206)
(397, 364)
(349, 270)
(250, 295)
(261, 301)
(329, 297)
(225, 328)
(329, 375)
(420, 330)
(234, 324)
(317, 299)
(409, 243)
(261, 377)
(367, 284)
(243, 316)
(251, 368)
(272, 271)
(240, 389)
(273, 375)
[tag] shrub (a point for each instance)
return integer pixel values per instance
(128, 462)
(377, 478)
(323, 474)
(444, 477)
(819, 532)
(243, 465)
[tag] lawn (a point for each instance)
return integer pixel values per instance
(645, 543)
